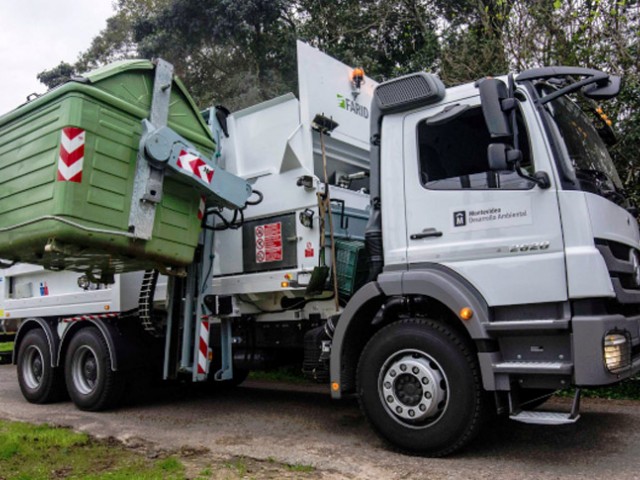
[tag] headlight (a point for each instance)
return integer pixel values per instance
(617, 352)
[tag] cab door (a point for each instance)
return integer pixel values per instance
(500, 232)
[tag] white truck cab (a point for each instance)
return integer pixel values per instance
(501, 262)
(499, 227)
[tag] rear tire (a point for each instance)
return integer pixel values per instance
(38, 380)
(419, 385)
(91, 382)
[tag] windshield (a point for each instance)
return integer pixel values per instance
(586, 150)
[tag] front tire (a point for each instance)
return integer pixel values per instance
(420, 387)
(91, 382)
(39, 381)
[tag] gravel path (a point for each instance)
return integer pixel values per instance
(302, 425)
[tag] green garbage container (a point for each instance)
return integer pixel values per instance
(67, 167)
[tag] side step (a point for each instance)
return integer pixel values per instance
(546, 418)
(552, 368)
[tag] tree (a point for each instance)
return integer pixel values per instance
(601, 34)
(225, 50)
(57, 75)
(389, 38)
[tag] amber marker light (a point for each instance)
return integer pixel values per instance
(335, 386)
(284, 284)
(466, 313)
(604, 117)
(357, 72)
(107, 307)
(357, 78)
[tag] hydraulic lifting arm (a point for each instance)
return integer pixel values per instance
(162, 149)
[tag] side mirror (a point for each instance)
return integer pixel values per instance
(502, 157)
(610, 89)
(493, 93)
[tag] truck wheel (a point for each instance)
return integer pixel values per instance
(420, 387)
(39, 381)
(91, 382)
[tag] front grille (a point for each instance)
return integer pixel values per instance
(622, 270)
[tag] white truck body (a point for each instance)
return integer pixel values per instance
(271, 144)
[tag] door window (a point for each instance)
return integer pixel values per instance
(453, 155)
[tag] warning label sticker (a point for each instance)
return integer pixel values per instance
(269, 242)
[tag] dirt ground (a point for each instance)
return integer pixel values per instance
(266, 430)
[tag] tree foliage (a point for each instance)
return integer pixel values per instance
(241, 52)
(387, 37)
(57, 75)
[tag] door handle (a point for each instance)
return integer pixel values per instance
(426, 233)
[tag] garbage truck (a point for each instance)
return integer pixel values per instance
(438, 253)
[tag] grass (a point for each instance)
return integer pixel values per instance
(38, 452)
(283, 374)
(627, 390)
(42, 452)
(6, 346)
(238, 464)
(300, 468)
(206, 472)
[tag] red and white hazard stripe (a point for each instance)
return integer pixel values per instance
(203, 348)
(194, 165)
(71, 155)
(201, 207)
(90, 317)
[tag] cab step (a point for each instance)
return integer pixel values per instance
(536, 417)
(544, 418)
(553, 368)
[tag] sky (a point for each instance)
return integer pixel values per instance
(36, 35)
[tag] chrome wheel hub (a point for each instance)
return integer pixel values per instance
(413, 387)
(33, 367)
(85, 369)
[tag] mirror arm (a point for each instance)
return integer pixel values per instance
(539, 178)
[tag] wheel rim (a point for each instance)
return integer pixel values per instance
(85, 369)
(413, 388)
(33, 367)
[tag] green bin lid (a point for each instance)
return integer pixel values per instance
(128, 85)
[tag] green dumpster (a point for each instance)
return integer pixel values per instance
(67, 167)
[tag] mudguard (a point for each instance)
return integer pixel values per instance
(432, 281)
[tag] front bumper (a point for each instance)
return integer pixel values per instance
(587, 340)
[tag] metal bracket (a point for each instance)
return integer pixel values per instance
(226, 372)
(147, 186)
(161, 148)
(164, 148)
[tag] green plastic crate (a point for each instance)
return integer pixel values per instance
(352, 268)
(108, 105)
